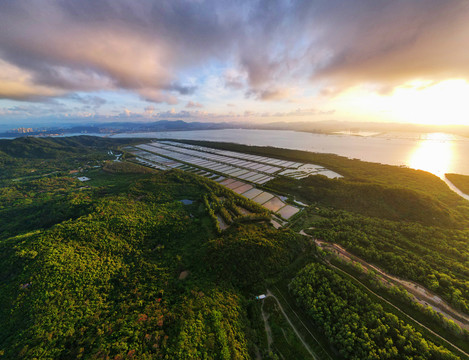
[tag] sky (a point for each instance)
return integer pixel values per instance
(404, 61)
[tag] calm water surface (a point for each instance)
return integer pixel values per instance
(436, 153)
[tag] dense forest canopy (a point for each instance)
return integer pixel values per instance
(133, 262)
(106, 283)
(360, 328)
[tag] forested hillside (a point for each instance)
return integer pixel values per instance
(132, 264)
(360, 328)
(32, 156)
(107, 283)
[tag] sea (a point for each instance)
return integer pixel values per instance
(438, 153)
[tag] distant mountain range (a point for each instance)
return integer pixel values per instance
(117, 127)
(323, 127)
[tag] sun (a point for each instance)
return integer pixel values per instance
(433, 153)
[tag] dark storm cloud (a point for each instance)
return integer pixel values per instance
(50, 48)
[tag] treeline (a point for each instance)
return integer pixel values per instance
(406, 301)
(40, 203)
(56, 147)
(357, 326)
(371, 199)
(228, 206)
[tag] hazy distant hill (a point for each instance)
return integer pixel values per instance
(325, 127)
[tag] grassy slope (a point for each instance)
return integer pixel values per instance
(460, 181)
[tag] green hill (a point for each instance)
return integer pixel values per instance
(133, 263)
(106, 284)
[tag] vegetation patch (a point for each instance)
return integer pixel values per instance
(460, 181)
(94, 270)
(357, 326)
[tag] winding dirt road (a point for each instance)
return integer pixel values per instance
(402, 312)
(343, 251)
(420, 294)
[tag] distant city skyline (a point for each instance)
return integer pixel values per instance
(245, 61)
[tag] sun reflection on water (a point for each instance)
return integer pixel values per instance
(434, 153)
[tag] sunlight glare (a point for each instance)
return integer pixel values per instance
(442, 103)
(434, 154)
(416, 102)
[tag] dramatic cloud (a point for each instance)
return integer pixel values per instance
(267, 47)
(18, 84)
(391, 42)
(62, 46)
(346, 43)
